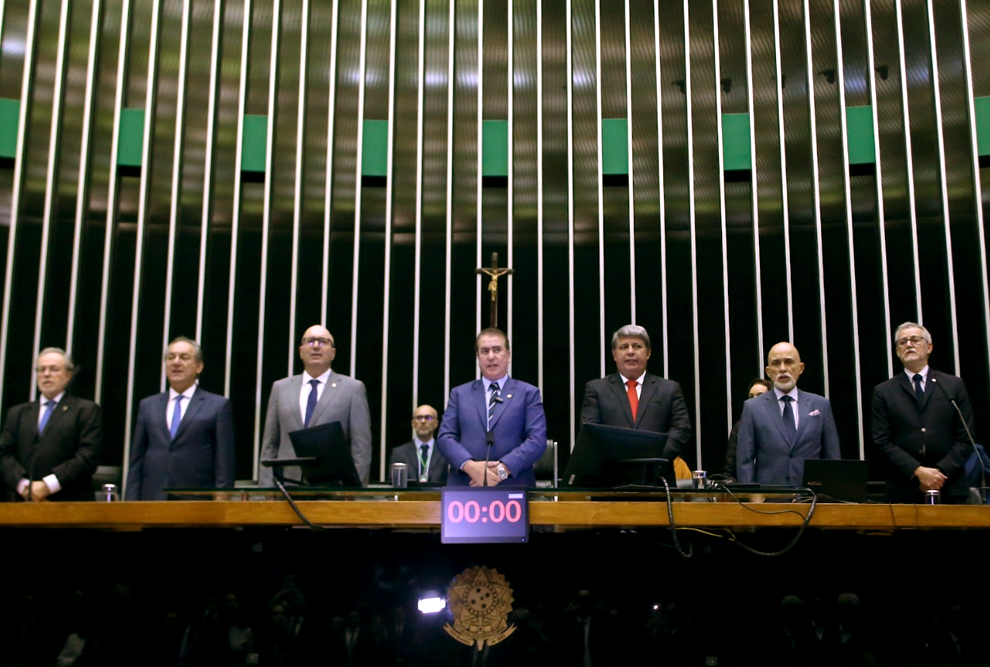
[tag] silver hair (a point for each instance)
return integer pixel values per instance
(69, 365)
(197, 350)
(912, 325)
(633, 330)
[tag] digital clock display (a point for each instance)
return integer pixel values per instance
(494, 514)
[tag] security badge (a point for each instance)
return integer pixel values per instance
(480, 601)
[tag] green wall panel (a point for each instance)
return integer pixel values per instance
(131, 137)
(374, 161)
(255, 144)
(736, 155)
(9, 115)
(983, 124)
(495, 148)
(615, 146)
(859, 129)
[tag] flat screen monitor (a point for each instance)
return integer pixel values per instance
(334, 465)
(613, 457)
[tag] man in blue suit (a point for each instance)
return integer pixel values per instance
(184, 437)
(497, 409)
(781, 428)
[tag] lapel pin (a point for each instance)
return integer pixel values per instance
(508, 395)
(334, 385)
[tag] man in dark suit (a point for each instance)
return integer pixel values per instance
(317, 396)
(184, 437)
(49, 448)
(508, 411)
(425, 463)
(633, 398)
(918, 432)
(781, 428)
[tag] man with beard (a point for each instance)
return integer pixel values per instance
(781, 428)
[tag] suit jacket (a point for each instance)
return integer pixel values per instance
(908, 435)
(519, 426)
(202, 454)
(344, 400)
(765, 454)
(409, 454)
(69, 448)
(661, 410)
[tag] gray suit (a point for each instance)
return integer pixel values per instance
(766, 454)
(344, 400)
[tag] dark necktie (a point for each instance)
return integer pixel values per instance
(176, 416)
(423, 458)
(311, 402)
(919, 392)
(633, 397)
(788, 415)
(492, 402)
(49, 409)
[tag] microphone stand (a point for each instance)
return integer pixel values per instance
(972, 441)
(489, 441)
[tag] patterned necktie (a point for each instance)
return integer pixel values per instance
(919, 391)
(49, 409)
(788, 415)
(311, 402)
(176, 416)
(633, 397)
(493, 400)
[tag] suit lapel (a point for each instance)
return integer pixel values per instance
(929, 387)
(160, 420)
(619, 389)
(650, 387)
(195, 403)
(773, 413)
(907, 385)
(290, 398)
(804, 407)
(63, 407)
(329, 394)
(506, 393)
(478, 394)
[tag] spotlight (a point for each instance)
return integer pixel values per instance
(431, 603)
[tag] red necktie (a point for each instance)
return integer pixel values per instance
(633, 397)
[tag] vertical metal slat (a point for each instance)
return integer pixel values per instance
(784, 203)
(359, 162)
(721, 208)
(297, 189)
(693, 229)
(754, 198)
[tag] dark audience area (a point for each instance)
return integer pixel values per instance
(344, 597)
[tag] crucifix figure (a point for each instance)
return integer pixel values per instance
(495, 273)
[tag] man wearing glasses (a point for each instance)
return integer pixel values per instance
(316, 396)
(919, 424)
(426, 463)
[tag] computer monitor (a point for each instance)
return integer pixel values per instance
(334, 465)
(612, 457)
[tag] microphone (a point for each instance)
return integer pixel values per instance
(490, 441)
(972, 441)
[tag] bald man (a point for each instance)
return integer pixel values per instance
(782, 428)
(426, 464)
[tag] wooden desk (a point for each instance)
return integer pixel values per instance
(565, 514)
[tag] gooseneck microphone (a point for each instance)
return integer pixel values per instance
(489, 441)
(972, 441)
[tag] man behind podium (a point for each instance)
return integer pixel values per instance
(919, 433)
(184, 437)
(49, 448)
(497, 410)
(778, 430)
(425, 463)
(316, 396)
(633, 398)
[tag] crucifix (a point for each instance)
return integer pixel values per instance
(495, 273)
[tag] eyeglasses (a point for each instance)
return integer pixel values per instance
(424, 418)
(41, 370)
(914, 340)
(313, 342)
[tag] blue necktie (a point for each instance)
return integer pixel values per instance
(919, 393)
(176, 416)
(788, 416)
(48, 415)
(311, 402)
(492, 402)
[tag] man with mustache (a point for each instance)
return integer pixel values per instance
(781, 428)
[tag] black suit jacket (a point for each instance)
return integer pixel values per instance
(69, 448)
(409, 454)
(907, 435)
(661, 410)
(201, 456)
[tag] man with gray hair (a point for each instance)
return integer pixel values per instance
(184, 437)
(920, 422)
(633, 398)
(49, 448)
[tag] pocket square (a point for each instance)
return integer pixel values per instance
(814, 413)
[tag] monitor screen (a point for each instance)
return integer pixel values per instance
(612, 456)
(334, 464)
